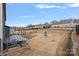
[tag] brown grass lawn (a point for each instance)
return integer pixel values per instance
(42, 46)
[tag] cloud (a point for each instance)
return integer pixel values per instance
(48, 6)
(25, 16)
(73, 5)
(17, 25)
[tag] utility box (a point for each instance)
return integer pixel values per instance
(45, 35)
(77, 29)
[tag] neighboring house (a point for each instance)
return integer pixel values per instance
(7, 33)
(65, 25)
